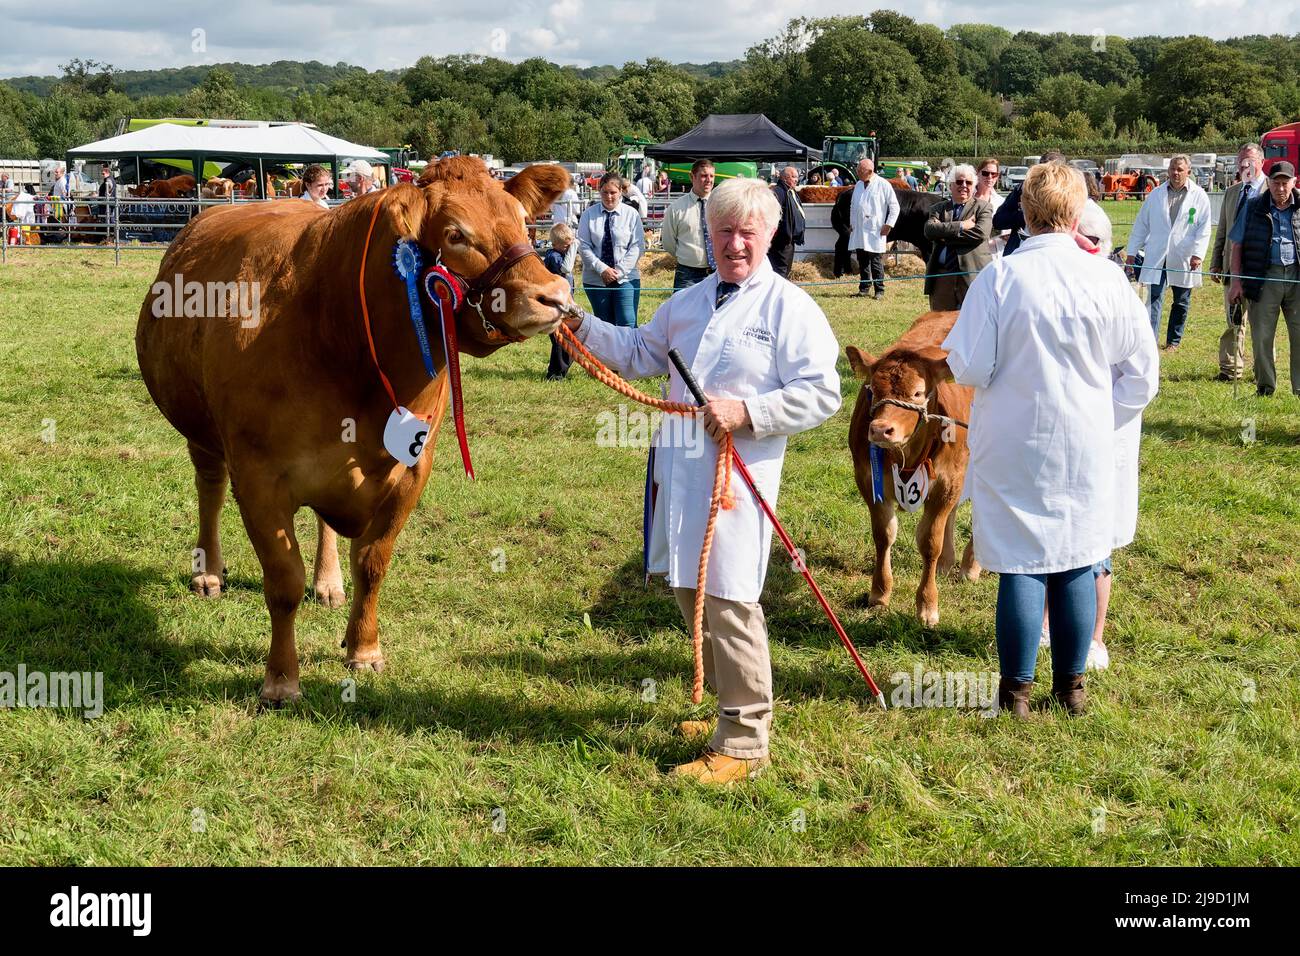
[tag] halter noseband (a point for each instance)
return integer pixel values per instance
(473, 291)
(922, 411)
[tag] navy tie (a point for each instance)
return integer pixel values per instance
(607, 244)
(725, 291)
(1241, 203)
(945, 255)
(708, 243)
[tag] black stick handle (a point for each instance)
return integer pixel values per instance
(688, 376)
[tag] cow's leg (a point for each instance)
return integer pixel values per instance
(970, 568)
(327, 576)
(884, 528)
(270, 528)
(210, 478)
(948, 556)
(370, 554)
(929, 544)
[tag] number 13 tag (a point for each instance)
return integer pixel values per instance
(911, 494)
(405, 435)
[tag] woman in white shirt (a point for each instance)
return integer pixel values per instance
(1058, 348)
(611, 241)
(316, 185)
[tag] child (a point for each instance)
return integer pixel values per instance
(560, 260)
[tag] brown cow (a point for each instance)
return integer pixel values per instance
(914, 370)
(178, 187)
(288, 404)
(217, 188)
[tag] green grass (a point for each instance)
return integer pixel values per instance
(498, 694)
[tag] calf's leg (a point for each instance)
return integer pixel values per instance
(884, 528)
(210, 479)
(929, 544)
(327, 576)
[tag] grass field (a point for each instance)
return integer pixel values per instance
(512, 725)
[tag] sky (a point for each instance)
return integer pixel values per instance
(390, 34)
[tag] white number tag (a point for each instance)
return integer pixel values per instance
(912, 493)
(404, 436)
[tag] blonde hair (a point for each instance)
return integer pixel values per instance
(1053, 197)
(738, 200)
(562, 232)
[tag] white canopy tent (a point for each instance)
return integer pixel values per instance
(257, 145)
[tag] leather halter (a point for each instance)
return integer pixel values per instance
(474, 290)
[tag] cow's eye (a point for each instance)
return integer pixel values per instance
(456, 236)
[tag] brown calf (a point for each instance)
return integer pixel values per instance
(926, 451)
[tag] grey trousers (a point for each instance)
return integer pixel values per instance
(737, 667)
(1275, 297)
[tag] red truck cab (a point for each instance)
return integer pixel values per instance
(1280, 144)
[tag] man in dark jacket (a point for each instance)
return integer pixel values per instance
(1266, 271)
(841, 213)
(790, 232)
(960, 230)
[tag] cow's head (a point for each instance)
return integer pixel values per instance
(460, 213)
(905, 375)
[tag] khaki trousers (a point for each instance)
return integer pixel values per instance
(737, 667)
(1232, 343)
(1276, 296)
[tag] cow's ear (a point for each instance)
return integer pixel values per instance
(861, 362)
(405, 205)
(936, 362)
(537, 187)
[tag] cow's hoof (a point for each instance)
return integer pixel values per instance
(366, 663)
(330, 594)
(971, 574)
(878, 600)
(206, 585)
(277, 692)
(929, 616)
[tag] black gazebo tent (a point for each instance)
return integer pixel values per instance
(735, 136)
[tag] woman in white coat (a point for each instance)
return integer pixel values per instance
(872, 214)
(1172, 231)
(1056, 345)
(765, 355)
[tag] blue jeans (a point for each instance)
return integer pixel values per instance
(615, 304)
(1071, 598)
(1177, 312)
(686, 276)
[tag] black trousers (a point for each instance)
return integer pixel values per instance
(560, 359)
(843, 258)
(871, 271)
(781, 257)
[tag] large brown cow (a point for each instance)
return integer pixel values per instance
(268, 401)
(913, 371)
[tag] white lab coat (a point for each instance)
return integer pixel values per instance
(874, 204)
(769, 345)
(1060, 352)
(1167, 245)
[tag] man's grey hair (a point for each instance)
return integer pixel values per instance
(966, 168)
(738, 200)
(1181, 158)
(1251, 148)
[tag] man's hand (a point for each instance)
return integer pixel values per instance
(1235, 290)
(1196, 263)
(968, 224)
(1214, 275)
(884, 231)
(724, 415)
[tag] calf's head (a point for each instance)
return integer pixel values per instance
(460, 214)
(904, 375)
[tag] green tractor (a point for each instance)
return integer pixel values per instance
(842, 153)
(628, 158)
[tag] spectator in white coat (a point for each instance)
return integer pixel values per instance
(1172, 231)
(1054, 342)
(765, 356)
(872, 214)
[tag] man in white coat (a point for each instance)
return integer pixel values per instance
(765, 355)
(1172, 231)
(1055, 344)
(872, 214)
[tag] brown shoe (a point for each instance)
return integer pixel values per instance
(1013, 695)
(720, 769)
(692, 729)
(1069, 693)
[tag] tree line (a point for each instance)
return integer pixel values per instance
(923, 90)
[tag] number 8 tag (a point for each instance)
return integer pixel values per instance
(405, 435)
(911, 494)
